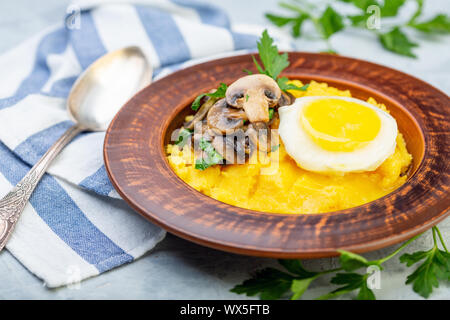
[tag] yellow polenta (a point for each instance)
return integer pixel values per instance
(288, 188)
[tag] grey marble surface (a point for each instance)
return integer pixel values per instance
(178, 269)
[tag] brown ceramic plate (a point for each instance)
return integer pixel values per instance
(137, 166)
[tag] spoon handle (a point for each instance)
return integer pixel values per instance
(13, 204)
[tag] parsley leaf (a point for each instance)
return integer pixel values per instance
(296, 22)
(351, 261)
(284, 85)
(295, 267)
(362, 4)
(435, 267)
(272, 61)
(391, 7)
(183, 137)
(358, 20)
(365, 293)
(219, 93)
(396, 41)
(272, 283)
(212, 156)
(279, 21)
(388, 9)
(201, 164)
(297, 25)
(269, 283)
(439, 24)
(351, 282)
(330, 22)
(271, 113)
(303, 277)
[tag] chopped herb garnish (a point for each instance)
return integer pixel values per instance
(183, 137)
(219, 93)
(201, 164)
(274, 148)
(271, 113)
(247, 71)
(246, 97)
(212, 156)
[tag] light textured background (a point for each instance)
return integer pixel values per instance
(178, 269)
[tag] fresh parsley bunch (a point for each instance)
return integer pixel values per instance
(271, 283)
(328, 22)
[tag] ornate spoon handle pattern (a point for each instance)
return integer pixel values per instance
(13, 204)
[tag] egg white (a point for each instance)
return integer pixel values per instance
(310, 156)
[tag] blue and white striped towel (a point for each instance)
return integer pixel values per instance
(76, 225)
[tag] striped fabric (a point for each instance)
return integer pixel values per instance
(76, 225)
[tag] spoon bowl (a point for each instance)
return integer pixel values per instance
(106, 85)
(93, 101)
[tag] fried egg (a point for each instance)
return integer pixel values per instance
(337, 134)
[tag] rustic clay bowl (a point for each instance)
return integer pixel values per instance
(138, 168)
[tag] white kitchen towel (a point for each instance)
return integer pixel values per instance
(76, 226)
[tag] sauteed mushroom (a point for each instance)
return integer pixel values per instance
(224, 119)
(221, 122)
(286, 99)
(231, 147)
(259, 134)
(201, 113)
(255, 94)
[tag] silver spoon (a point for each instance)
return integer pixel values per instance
(93, 101)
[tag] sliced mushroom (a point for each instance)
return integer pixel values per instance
(255, 93)
(250, 146)
(286, 99)
(223, 119)
(201, 131)
(252, 136)
(201, 113)
(224, 147)
(232, 147)
(258, 133)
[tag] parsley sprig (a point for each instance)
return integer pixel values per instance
(435, 267)
(328, 21)
(219, 93)
(271, 283)
(273, 63)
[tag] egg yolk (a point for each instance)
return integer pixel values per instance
(340, 125)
